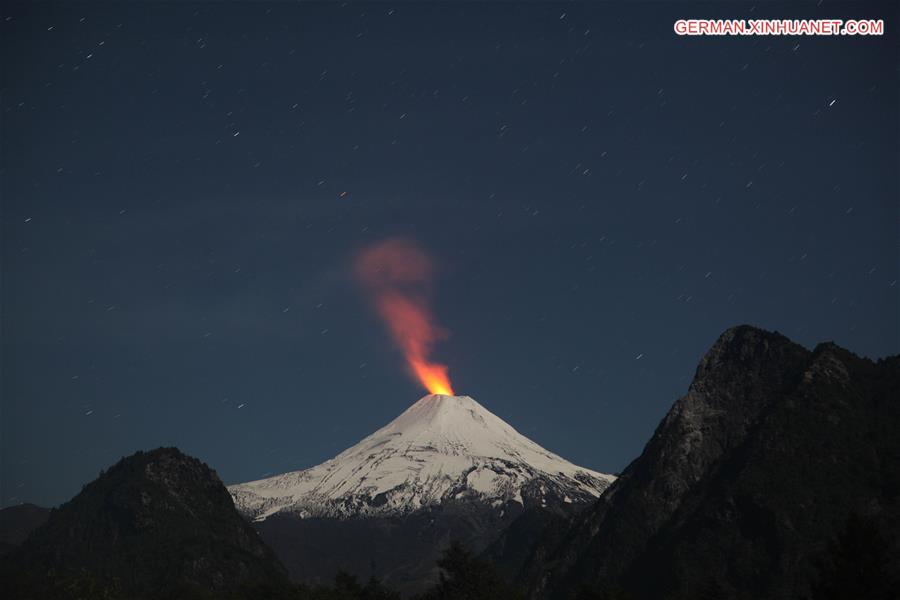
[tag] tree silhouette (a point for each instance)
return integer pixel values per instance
(466, 577)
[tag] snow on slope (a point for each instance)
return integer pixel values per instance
(440, 448)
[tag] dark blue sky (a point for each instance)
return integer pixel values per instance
(184, 187)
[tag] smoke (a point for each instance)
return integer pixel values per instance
(398, 274)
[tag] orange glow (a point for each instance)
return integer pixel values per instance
(398, 274)
(433, 377)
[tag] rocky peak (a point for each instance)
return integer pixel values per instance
(747, 353)
(736, 381)
(744, 480)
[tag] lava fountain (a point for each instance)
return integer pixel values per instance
(398, 275)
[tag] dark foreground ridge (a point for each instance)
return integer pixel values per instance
(763, 481)
(776, 476)
(160, 525)
(157, 524)
(17, 522)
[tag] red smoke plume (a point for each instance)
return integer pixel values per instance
(398, 274)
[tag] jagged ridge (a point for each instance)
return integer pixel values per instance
(773, 452)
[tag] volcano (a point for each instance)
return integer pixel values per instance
(441, 448)
(446, 468)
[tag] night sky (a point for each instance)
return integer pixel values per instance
(185, 187)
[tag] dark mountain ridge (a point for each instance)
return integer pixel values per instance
(157, 524)
(17, 522)
(776, 476)
(746, 483)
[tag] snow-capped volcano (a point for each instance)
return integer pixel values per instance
(441, 448)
